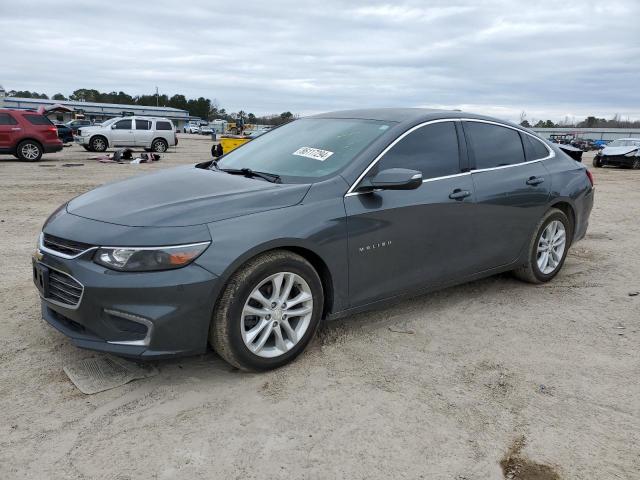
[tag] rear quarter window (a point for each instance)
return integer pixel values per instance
(533, 148)
(164, 126)
(38, 120)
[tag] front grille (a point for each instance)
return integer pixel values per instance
(64, 289)
(67, 247)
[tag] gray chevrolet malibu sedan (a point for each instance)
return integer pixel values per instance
(320, 218)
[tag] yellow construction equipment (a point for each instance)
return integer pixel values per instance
(231, 142)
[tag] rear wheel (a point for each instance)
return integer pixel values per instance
(159, 145)
(548, 248)
(29, 151)
(268, 312)
(98, 144)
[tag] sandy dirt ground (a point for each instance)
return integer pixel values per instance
(460, 384)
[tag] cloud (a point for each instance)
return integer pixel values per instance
(547, 58)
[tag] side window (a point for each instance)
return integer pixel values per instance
(163, 126)
(123, 125)
(143, 125)
(6, 119)
(38, 120)
(432, 150)
(494, 146)
(533, 148)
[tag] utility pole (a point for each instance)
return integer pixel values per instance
(157, 98)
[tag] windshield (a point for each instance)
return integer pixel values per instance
(308, 148)
(624, 143)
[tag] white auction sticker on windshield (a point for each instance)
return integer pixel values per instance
(314, 153)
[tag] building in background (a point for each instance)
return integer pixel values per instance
(591, 133)
(96, 112)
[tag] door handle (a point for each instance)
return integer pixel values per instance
(459, 194)
(535, 180)
(16, 128)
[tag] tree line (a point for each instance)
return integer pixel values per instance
(204, 108)
(590, 122)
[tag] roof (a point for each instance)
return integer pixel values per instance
(74, 103)
(405, 115)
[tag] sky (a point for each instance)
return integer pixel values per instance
(550, 59)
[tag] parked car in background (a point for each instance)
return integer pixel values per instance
(156, 134)
(601, 143)
(27, 135)
(317, 219)
(192, 128)
(64, 133)
(205, 130)
(75, 125)
(623, 152)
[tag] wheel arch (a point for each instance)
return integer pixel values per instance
(106, 139)
(30, 139)
(568, 209)
(300, 248)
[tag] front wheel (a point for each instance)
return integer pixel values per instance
(636, 163)
(98, 144)
(268, 312)
(597, 161)
(548, 248)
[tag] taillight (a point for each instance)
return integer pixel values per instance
(590, 177)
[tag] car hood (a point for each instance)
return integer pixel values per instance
(618, 150)
(183, 196)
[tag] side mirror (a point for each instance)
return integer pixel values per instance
(113, 126)
(392, 179)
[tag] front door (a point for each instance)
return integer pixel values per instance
(511, 189)
(122, 133)
(401, 240)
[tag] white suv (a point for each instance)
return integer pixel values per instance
(151, 133)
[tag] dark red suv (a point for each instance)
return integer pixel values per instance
(27, 134)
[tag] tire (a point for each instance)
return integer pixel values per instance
(98, 144)
(159, 145)
(636, 164)
(531, 272)
(232, 329)
(597, 162)
(29, 151)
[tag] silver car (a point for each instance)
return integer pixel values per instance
(150, 133)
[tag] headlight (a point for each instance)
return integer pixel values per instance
(145, 259)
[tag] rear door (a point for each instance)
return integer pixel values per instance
(400, 240)
(511, 190)
(8, 131)
(143, 133)
(122, 134)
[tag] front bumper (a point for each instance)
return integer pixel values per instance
(148, 314)
(618, 160)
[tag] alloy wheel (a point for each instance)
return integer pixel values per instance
(30, 151)
(277, 314)
(551, 245)
(99, 145)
